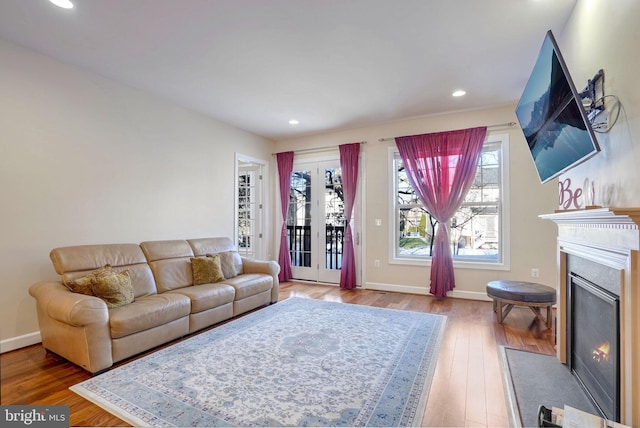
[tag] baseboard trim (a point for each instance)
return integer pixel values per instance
(14, 343)
(411, 289)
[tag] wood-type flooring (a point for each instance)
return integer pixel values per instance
(467, 388)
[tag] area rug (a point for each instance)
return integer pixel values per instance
(533, 379)
(300, 362)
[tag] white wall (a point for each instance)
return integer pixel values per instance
(533, 241)
(84, 160)
(606, 34)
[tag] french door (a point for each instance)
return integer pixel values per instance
(316, 221)
(249, 217)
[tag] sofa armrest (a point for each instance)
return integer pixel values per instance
(68, 307)
(266, 267)
(74, 326)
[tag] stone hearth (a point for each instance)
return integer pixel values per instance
(610, 237)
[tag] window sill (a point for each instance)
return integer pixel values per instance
(457, 264)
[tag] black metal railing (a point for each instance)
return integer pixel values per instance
(333, 254)
(300, 246)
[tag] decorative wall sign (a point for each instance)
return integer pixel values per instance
(580, 198)
(569, 198)
(589, 189)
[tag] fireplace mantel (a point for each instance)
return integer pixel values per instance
(608, 227)
(605, 217)
(609, 236)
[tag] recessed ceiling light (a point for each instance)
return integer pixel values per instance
(65, 4)
(293, 122)
(458, 93)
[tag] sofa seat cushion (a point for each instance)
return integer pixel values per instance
(147, 312)
(207, 296)
(250, 284)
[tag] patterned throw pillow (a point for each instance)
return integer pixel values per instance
(83, 284)
(115, 289)
(228, 263)
(206, 270)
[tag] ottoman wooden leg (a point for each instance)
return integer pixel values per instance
(549, 317)
(507, 308)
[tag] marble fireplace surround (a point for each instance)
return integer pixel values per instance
(609, 236)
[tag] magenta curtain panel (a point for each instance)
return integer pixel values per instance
(349, 156)
(441, 168)
(285, 168)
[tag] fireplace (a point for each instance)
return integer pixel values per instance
(593, 343)
(598, 309)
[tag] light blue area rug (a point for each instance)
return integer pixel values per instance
(300, 362)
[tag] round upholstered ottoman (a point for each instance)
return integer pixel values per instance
(507, 294)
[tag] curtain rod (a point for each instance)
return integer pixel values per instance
(500, 125)
(318, 149)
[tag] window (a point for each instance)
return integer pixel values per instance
(478, 227)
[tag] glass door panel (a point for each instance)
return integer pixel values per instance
(299, 221)
(334, 223)
(246, 214)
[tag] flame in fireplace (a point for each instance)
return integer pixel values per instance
(601, 352)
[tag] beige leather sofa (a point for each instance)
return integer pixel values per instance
(166, 306)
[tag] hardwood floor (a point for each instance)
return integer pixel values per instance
(467, 388)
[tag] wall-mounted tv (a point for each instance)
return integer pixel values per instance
(552, 116)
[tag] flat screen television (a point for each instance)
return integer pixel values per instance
(552, 117)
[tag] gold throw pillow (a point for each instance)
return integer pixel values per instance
(83, 284)
(206, 270)
(115, 289)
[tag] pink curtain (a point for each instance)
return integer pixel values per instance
(285, 168)
(441, 168)
(349, 154)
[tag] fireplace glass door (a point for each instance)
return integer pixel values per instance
(594, 334)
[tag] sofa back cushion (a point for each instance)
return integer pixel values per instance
(170, 262)
(77, 261)
(230, 260)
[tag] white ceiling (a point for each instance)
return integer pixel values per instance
(331, 64)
